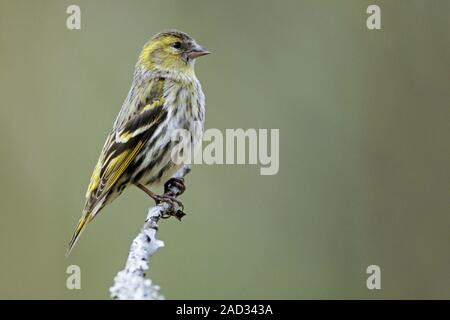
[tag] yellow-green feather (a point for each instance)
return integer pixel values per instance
(115, 165)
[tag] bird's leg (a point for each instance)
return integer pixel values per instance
(169, 197)
(151, 194)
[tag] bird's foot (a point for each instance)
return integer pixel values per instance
(174, 203)
(172, 183)
(172, 188)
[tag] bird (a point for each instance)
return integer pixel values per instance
(165, 96)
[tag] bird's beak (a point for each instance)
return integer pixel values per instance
(197, 51)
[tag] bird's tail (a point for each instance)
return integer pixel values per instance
(78, 230)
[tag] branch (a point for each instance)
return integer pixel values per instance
(130, 283)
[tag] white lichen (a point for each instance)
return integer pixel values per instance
(130, 283)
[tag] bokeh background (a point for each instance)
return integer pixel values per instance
(364, 149)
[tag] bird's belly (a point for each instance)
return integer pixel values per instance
(159, 173)
(158, 164)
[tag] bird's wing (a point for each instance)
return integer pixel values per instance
(121, 147)
(126, 144)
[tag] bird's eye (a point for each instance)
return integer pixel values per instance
(176, 45)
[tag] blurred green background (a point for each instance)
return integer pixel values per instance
(364, 149)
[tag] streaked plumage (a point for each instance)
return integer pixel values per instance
(165, 95)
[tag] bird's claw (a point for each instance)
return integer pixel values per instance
(171, 200)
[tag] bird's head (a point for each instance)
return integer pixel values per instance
(171, 51)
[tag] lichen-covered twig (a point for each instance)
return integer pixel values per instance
(130, 283)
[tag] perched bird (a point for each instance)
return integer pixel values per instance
(165, 95)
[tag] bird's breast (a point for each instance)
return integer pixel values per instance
(185, 106)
